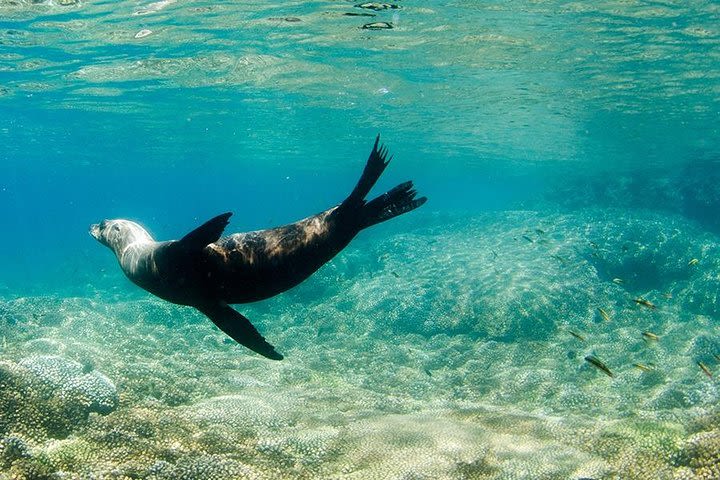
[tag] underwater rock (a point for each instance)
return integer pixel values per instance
(699, 185)
(93, 390)
(49, 397)
(28, 408)
(644, 251)
(701, 453)
(692, 190)
(12, 448)
(209, 467)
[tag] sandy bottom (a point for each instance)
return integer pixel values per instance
(441, 352)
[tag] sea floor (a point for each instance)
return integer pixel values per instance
(453, 350)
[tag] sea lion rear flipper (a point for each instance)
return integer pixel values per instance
(239, 329)
(375, 166)
(207, 233)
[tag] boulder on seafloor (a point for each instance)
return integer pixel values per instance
(92, 389)
(50, 396)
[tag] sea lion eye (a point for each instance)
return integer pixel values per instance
(115, 228)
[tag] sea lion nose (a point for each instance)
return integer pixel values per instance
(95, 231)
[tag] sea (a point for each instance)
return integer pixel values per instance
(551, 313)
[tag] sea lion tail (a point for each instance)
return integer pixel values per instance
(375, 166)
(390, 204)
(397, 201)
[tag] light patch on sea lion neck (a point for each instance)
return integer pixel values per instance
(119, 234)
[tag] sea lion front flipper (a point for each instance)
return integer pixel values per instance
(239, 329)
(207, 233)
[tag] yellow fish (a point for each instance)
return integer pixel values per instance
(649, 336)
(644, 303)
(618, 281)
(705, 369)
(576, 335)
(643, 367)
(692, 262)
(597, 363)
(603, 314)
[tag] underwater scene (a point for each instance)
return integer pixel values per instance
(551, 312)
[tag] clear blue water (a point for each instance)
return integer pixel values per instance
(562, 145)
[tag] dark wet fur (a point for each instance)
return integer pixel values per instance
(208, 272)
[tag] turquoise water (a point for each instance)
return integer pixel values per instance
(570, 152)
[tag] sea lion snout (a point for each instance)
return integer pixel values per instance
(95, 231)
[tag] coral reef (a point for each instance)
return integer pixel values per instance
(49, 396)
(448, 358)
(74, 381)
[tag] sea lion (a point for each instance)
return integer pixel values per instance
(208, 272)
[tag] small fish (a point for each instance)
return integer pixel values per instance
(603, 314)
(353, 14)
(377, 26)
(715, 355)
(644, 303)
(528, 239)
(692, 262)
(649, 336)
(377, 6)
(705, 369)
(428, 372)
(594, 245)
(667, 295)
(643, 367)
(576, 335)
(559, 259)
(618, 281)
(597, 363)
(540, 231)
(143, 33)
(394, 274)
(494, 253)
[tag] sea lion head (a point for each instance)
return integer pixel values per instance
(117, 234)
